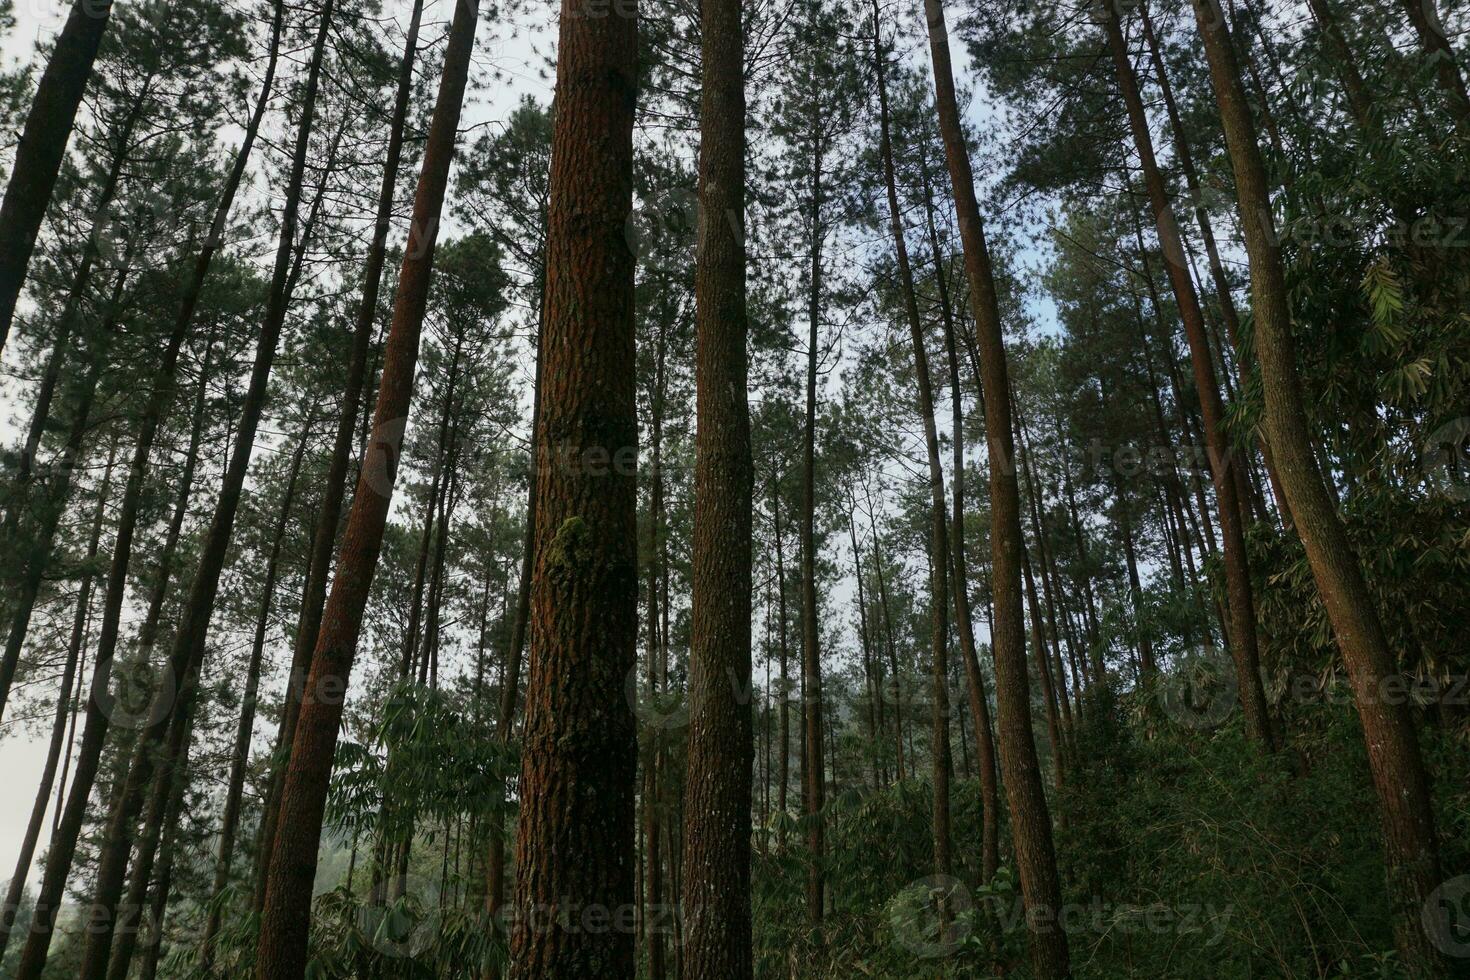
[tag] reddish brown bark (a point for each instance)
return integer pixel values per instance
(281, 950)
(578, 767)
(335, 485)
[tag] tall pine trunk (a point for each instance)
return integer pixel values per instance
(1030, 818)
(1410, 843)
(17, 885)
(335, 485)
(188, 647)
(94, 728)
(42, 145)
(939, 535)
(240, 751)
(1241, 601)
(291, 866)
(813, 785)
(715, 901)
(579, 761)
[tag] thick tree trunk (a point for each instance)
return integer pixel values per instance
(1243, 644)
(1030, 819)
(281, 949)
(578, 767)
(1410, 842)
(43, 144)
(715, 900)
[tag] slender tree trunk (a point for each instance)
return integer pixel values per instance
(240, 753)
(1044, 676)
(76, 292)
(158, 908)
(16, 888)
(784, 710)
(1030, 819)
(717, 795)
(1411, 845)
(94, 729)
(1207, 232)
(42, 146)
(864, 638)
(653, 873)
(1033, 498)
(281, 949)
(939, 536)
(335, 485)
(891, 644)
(169, 779)
(41, 548)
(1241, 606)
(579, 762)
(189, 641)
(813, 785)
(975, 679)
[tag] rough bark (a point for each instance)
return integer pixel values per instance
(717, 795)
(578, 766)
